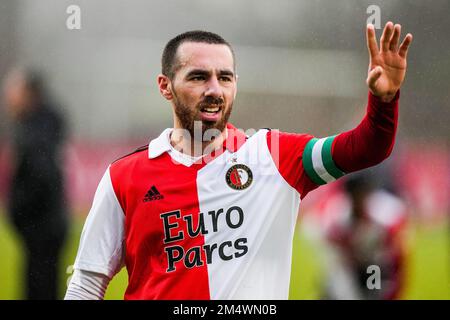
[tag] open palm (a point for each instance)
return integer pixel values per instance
(387, 65)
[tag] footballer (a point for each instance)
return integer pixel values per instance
(204, 211)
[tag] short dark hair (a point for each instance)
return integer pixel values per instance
(168, 61)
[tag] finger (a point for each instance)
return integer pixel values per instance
(386, 36)
(393, 44)
(403, 50)
(371, 40)
(373, 76)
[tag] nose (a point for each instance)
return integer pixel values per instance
(213, 88)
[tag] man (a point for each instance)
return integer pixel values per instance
(36, 202)
(365, 229)
(205, 212)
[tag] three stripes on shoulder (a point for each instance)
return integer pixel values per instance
(318, 162)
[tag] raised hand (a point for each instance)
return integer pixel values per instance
(387, 65)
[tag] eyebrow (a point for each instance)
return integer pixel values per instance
(226, 73)
(204, 72)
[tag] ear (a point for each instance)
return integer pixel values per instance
(235, 91)
(165, 86)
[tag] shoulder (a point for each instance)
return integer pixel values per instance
(132, 155)
(127, 159)
(287, 140)
(123, 169)
(50, 111)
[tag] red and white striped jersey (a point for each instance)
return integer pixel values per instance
(219, 227)
(215, 229)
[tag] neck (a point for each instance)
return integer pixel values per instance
(193, 146)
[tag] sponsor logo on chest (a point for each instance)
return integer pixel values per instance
(197, 256)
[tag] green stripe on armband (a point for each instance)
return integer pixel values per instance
(308, 163)
(328, 161)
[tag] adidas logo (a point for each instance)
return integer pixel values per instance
(153, 194)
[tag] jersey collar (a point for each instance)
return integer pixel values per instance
(159, 145)
(235, 139)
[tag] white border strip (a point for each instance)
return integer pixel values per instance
(318, 163)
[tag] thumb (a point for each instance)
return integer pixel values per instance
(373, 76)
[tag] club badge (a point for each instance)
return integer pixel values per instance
(239, 177)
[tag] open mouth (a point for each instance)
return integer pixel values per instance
(210, 110)
(210, 113)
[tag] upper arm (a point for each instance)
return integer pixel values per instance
(318, 161)
(101, 246)
(304, 161)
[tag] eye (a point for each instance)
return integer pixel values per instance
(198, 78)
(227, 79)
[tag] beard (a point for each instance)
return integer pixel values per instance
(188, 116)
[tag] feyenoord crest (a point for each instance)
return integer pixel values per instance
(239, 177)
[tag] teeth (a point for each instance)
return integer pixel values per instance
(211, 109)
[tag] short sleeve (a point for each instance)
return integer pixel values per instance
(101, 246)
(304, 161)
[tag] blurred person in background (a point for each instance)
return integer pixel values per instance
(365, 228)
(36, 200)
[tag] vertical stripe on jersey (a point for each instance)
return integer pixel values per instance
(147, 246)
(318, 161)
(269, 209)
